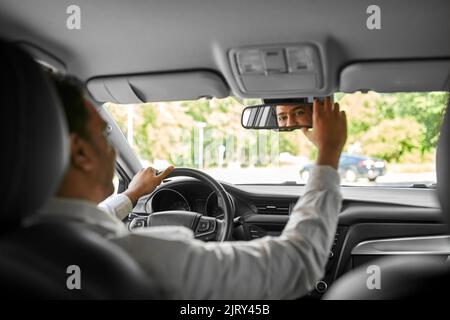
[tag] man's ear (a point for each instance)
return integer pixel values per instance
(81, 156)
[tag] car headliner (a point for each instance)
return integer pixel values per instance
(128, 37)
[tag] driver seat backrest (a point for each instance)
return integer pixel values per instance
(424, 277)
(39, 262)
(36, 260)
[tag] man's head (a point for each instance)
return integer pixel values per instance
(92, 157)
(294, 115)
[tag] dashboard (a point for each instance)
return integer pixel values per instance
(397, 217)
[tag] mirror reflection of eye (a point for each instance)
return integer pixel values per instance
(299, 112)
(282, 118)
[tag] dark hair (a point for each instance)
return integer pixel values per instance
(72, 98)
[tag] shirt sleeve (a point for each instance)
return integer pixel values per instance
(118, 205)
(284, 267)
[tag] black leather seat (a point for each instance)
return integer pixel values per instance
(413, 277)
(34, 259)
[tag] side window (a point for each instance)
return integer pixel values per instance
(118, 180)
(118, 183)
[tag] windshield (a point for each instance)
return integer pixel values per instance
(391, 140)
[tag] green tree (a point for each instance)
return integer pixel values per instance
(426, 108)
(392, 138)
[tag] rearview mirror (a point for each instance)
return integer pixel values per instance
(283, 117)
(281, 114)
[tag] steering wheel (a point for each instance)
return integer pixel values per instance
(204, 227)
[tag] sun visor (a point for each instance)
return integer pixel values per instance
(174, 86)
(396, 76)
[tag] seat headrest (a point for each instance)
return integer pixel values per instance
(443, 165)
(35, 151)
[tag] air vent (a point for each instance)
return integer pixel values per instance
(337, 237)
(256, 232)
(274, 208)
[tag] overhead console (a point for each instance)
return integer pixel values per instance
(278, 70)
(156, 87)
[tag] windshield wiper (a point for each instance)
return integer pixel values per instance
(423, 186)
(414, 185)
(292, 183)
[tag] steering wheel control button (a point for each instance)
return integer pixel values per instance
(206, 228)
(321, 286)
(137, 223)
(203, 226)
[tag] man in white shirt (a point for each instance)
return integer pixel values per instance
(283, 267)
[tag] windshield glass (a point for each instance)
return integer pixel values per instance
(391, 141)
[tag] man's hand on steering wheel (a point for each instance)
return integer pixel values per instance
(145, 182)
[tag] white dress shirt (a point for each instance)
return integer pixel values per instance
(283, 267)
(118, 205)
